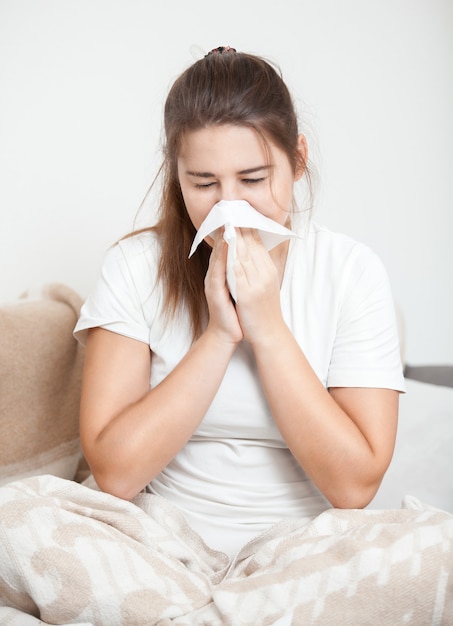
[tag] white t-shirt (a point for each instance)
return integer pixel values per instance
(236, 476)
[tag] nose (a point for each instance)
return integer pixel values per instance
(230, 191)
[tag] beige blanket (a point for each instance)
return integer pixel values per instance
(71, 554)
(40, 376)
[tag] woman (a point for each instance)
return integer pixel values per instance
(249, 425)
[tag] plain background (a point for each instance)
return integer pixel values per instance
(82, 86)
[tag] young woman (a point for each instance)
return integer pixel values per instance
(258, 424)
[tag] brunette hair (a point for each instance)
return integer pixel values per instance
(224, 87)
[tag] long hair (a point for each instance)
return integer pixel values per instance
(224, 87)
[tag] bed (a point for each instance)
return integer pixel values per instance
(40, 373)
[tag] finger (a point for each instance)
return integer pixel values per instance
(250, 236)
(218, 249)
(250, 249)
(216, 275)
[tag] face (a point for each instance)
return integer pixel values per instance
(231, 163)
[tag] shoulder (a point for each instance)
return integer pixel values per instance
(352, 291)
(125, 296)
(137, 248)
(134, 259)
(337, 254)
(331, 243)
(339, 275)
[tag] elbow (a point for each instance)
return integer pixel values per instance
(354, 497)
(115, 480)
(115, 474)
(357, 489)
(350, 501)
(119, 488)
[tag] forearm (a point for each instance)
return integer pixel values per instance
(141, 439)
(324, 439)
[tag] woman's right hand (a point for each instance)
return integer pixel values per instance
(223, 319)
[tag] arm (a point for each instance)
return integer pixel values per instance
(129, 432)
(343, 438)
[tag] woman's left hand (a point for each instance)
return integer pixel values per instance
(258, 288)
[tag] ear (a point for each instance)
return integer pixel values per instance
(302, 157)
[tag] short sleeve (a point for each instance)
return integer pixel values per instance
(366, 351)
(116, 302)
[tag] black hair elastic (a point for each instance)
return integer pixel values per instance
(221, 50)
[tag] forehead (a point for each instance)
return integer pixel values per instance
(238, 144)
(221, 134)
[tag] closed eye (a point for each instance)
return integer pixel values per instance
(204, 185)
(253, 181)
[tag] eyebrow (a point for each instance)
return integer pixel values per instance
(250, 170)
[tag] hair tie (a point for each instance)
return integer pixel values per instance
(221, 50)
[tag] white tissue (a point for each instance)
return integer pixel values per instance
(234, 214)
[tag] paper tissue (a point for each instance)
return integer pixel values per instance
(234, 214)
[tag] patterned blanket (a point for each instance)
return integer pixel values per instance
(70, 554)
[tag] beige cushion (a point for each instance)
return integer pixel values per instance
(40, 377)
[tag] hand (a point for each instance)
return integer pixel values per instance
(258, 288)
(223, 318)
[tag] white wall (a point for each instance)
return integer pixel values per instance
(82, 83)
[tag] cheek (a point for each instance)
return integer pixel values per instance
(283, 200)
(197, 210)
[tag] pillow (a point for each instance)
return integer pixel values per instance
(422, 463)
(40, 377)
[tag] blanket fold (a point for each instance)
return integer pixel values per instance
(82, 556)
